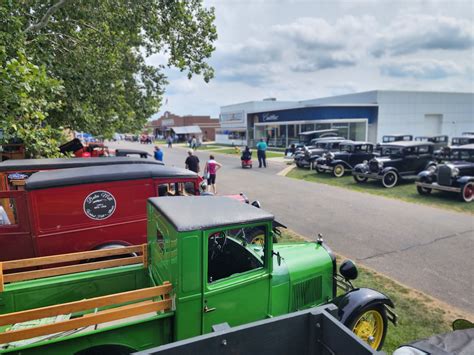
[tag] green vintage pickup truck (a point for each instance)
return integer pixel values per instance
(196, 271)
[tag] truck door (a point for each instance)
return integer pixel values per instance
(15, 236)
(236, 278)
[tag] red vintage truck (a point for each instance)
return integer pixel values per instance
(87, 208)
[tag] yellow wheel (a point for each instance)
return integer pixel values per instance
(371, 326)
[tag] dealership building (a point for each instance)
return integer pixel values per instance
(359, 116)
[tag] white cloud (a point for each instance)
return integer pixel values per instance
(422, 69)
(414, 33)
(296, 50)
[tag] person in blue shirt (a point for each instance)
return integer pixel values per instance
(261, 153)
(158, 153)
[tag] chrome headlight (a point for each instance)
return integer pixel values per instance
(365, 162)
(380, 165)
(454, 172)
(432, 169)
(330, 155)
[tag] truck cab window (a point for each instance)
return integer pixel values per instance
(230, 252)
(7, 211)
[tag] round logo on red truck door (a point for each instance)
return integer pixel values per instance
(99, 205)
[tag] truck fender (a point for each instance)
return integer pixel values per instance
(430, 163)
(465, 179)
(351, 303)
(359, 168)
(425, 176)
(342, 162)
(389, 168)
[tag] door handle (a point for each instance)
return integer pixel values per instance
(207, 309)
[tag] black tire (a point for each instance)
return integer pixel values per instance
(339, 170)
(319, 170)
(423, 190)
(298, 164)
(390, 179)
(467, 192)
(359, 179)
(358, 317)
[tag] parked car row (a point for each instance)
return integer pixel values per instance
(390, 163)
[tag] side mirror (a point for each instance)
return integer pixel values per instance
(348, 270)
(277, 254)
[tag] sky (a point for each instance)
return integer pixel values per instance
(296, 50)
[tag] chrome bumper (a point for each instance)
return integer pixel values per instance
(436, 186)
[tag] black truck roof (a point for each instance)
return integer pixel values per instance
(96, 174)
(190, 213)
(64, 163)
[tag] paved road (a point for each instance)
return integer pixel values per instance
(427, 248)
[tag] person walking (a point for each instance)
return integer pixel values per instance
(211, 170)
(169, 140)
(194, 143)
(261, 153)
(192, 162)
(158, 154)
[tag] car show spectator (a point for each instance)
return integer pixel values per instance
(211, 171)
(158, 154)
(193, 143)
(192, 162)
(169, 140)
(261, 153)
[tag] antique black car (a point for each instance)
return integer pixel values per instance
(308, 156)
(455, 175)
(397, 160)
(389, 138)
(438, 141)
(309, 138)
(349, 155)
(462, 140)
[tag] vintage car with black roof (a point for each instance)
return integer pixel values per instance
(462, 140)
(454, 175)
(307, 157)
(438, 141)
(349, 155)
(397, 160)
(389, 138)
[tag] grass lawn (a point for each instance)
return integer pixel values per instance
(405, 191)
(420, 316)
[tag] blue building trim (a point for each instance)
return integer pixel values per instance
(318, 113)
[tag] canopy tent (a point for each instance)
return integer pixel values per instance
(187, 130)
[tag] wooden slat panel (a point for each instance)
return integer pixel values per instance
(83, 305)
(71, 324)
(62, 258)
(63, 270)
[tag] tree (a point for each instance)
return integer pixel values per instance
(27, 95)
(97, 50)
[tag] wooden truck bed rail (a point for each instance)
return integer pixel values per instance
(152, 299)
(48, 268)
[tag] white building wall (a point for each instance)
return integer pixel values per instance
(407, 111)
(368, 97)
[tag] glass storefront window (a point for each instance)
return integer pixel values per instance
(357, 131)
